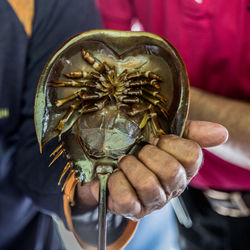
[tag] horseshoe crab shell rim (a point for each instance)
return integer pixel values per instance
(40, 100)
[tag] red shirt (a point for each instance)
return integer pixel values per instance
(214, 41)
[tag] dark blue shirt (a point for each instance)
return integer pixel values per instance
(28, 188)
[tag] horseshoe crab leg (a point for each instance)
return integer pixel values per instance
(103, 173)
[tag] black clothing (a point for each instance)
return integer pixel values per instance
(211, 231)
(28, 188)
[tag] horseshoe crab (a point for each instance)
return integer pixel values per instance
(102, 94)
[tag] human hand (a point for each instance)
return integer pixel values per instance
(162, 171)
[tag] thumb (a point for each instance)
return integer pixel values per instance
(206, 134)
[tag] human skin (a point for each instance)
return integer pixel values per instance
(234, 115)
(162, 171)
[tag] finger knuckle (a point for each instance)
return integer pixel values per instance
(195, 156)
(175, 170)
(177, 180)
(165, 139)
(145, 151)
(160, 200)
(129, 158)
(172, 173)
(126, 203)
(126, 161)
(149, 183)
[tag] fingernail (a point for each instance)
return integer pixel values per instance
(120, 158)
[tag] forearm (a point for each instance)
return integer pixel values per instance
(234, 115)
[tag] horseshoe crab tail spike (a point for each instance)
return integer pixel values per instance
(103, 173)
(57, 156)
